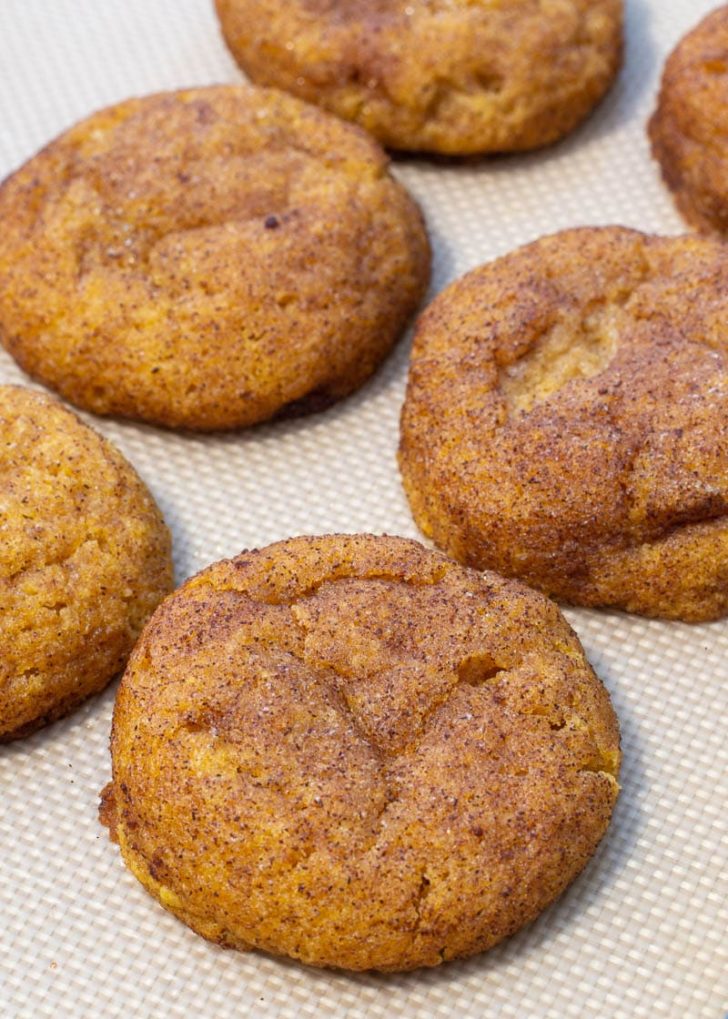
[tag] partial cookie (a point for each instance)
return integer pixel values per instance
(449, 76)
(207, 259)
(689, 129)
(84, 561)
(566, 421)
(351, 751)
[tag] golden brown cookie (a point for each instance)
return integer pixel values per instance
(207, 259)
(449, 76)
(689, 129)
(84, 561)
(566, 420)
(352, 751)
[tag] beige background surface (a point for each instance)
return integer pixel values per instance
(643, 931)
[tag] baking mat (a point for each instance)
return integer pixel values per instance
(643, 932)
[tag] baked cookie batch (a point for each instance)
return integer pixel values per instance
(348, 749)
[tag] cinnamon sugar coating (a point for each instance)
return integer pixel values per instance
(689, 129)
(207, 259)
(449, 76)
(85, 558)
(354, 752)
(566, 420)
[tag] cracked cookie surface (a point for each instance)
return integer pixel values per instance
(354, 752)
(566, 420)
(448, 76)
(84, 560)
(689, 129)
(207, 259)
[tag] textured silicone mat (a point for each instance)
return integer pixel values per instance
(643, 931)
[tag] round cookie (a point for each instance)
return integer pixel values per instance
(450, 76)
(84, 561)
(689, 129)
(566, 420)
(354, 752)
(207, 259)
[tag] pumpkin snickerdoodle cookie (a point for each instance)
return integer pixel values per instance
(566, 420)
(207, 259)
(689, 129)
(354, 752)
(84, 560)
(450, 76)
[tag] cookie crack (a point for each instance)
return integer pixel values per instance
(638, 534)
(135, 247)
(475, 670)
(60, 560)
(321, 157)
(341, 572)
(206, 720)
(516, 380)
(420, 897)
(442, 91)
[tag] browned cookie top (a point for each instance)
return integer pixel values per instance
(352, 751)
(207, 259)
(452, 76)
(84, 560)
(566, 420)
(689, 129)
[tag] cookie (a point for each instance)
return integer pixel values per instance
(689, 129)
(354, 752)
(84, 561)
(566, 421)
(447, 76)
(207, 259)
